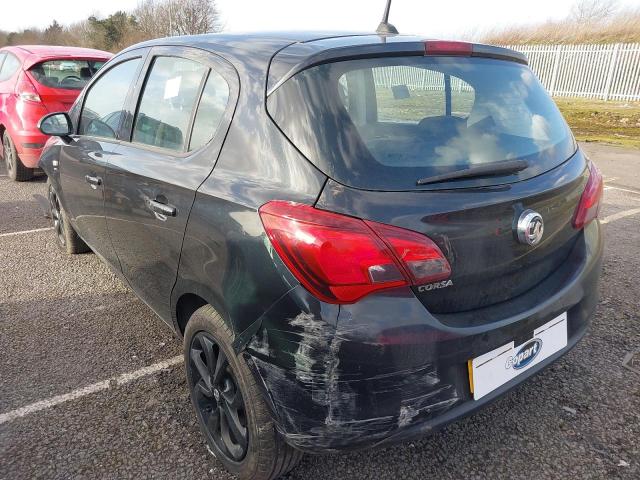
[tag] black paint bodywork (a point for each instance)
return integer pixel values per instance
(394, 364)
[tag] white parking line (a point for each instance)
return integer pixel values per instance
(637, 192)
(24, 232)
(619, 215)
(96, 387)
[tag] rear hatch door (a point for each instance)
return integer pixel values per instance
(394, 131)
(60, 81)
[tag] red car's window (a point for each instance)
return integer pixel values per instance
(9, 67)
(66, 74)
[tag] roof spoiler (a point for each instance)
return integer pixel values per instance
(283, 67)
(32, 60)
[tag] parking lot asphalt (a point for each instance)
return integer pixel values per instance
(84, 392)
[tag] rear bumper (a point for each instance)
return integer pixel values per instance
(385, 370)
(29, 146)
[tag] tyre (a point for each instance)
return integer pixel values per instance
(231, 411)
(66, 237)
(15, 169)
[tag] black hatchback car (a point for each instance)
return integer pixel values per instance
(360, 237)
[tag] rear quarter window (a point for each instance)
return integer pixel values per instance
(213, 103)
(383, 123)
(9, 67)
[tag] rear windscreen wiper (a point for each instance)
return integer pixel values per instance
(482, 170)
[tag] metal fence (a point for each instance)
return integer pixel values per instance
(416, 79)
(608, 71)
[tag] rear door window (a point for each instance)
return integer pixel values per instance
(167, 103)
(104, 103)
(65, 74)
(384, 123)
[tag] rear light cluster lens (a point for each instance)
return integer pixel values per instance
(439, 47)
(589, 205)
(26, 90)
(340, 259)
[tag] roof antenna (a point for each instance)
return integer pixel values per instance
(385, 27)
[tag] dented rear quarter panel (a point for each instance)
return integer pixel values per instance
(336, 382)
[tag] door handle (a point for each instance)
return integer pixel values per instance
(162, 208)
(93, 181)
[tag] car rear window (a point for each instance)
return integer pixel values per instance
(65, 74)
(384, 123)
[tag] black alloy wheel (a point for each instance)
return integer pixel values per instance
(219, 402)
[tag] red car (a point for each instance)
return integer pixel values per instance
(36, 80)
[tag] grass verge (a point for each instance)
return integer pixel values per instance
(599, 121)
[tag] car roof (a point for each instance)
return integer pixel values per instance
(32, 54)
(252, 53)
(262, 45)
(63, 51)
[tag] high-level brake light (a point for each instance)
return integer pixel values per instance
(442, 47)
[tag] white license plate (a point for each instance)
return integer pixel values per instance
(495, 368)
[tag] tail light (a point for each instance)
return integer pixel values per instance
(440, 47)
(26, 90)
(589, 205)
(340, 259)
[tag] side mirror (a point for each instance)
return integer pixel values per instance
(56, 125)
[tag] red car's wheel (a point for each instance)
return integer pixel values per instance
(15, 169)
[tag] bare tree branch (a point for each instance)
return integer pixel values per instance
(591, 11)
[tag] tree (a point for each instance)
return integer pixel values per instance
(25, 37)
(83, 34)
(192, 17)
(151, 19)
(53, 34)
(592, 11)
(164, 18)
(112, 32)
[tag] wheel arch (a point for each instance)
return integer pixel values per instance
(8, 125)
(186, 306)
(189, 298)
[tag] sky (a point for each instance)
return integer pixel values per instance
(428, 17)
